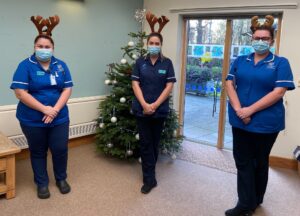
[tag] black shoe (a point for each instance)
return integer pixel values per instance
(146, 188)
(238, 211)
(43, 192)
(63, 186)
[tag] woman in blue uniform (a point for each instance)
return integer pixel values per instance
(43, 85)
(152, 83)
(255, 86)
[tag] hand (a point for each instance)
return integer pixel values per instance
(244, 112)
(148, 109)
(246, 120)
(154, 106)
(50, 111)
(47, 119)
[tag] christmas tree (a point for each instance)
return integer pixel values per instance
(117, 130)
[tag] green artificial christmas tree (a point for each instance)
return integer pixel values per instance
(117, 130)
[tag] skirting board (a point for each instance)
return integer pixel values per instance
(24, 154)
(283, 162)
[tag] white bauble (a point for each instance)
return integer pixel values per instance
(122, 99)
(123, 61)
(101, 125)
(114, 82)
(110, 145)
(174, 156)
(134, 56)
(140, 160)
(137, 136)
(129, 152)
(174, 133)
(107, 82)
(113, 119)
(131, 43)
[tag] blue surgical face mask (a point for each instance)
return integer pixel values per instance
(154, 50)
(260, 46)
(44, 55)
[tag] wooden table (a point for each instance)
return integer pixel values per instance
(7, 166)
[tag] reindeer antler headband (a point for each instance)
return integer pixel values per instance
(152, 20)
(49, 23)
(269, 20)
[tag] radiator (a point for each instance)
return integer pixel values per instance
(75, 131)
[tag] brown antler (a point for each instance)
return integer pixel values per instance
(152, 20)
(39, 23)
(254, 23)
(269, 21)
(163, 20)
(51, 22)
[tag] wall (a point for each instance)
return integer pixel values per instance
(88, 37)
(289, 47)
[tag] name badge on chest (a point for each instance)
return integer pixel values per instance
(52, 80)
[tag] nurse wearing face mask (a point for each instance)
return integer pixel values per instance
(152, 83)
(255, 86)
(43, 85)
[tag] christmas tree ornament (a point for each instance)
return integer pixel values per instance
(174, 156)
(131, 43)
(140, 160)
(122, 99)
(114, 82)
(137, 136)
(101, 125)
(134, 56)
(113, 119)
(174, 133)
(110, 145)
(139, 15)
(123, 61)
(129, 152)
(107, 82)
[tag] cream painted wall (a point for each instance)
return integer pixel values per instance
(289, 47)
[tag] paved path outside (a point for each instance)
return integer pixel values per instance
(200, 125)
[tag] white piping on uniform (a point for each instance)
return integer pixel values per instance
(230, 75)
(20, 82)
(32, 61)
(280, 81)
(270, 60)
(68, 81)
(135, 76)
(54, 62)
(170, 77)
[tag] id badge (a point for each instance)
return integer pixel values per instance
(52, 80)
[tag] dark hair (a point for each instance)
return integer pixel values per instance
(45, 37)
(271, 30)
(155, 34)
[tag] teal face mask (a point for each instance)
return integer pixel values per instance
(154, 50)
(43, 55)
(260, 46)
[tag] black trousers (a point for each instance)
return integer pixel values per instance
(150, 130)
(39, 140)
(251, 154)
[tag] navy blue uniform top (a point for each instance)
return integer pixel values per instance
(44, 86)
(253, 82)
(153, 80)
